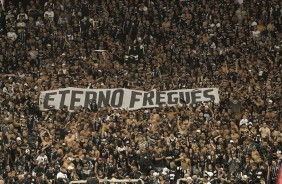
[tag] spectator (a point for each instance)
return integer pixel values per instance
(141, 45)
(61, 176)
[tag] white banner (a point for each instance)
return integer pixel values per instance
(123, 98)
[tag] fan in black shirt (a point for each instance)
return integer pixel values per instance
(50, 174)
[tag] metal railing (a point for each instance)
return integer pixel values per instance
(113, 180)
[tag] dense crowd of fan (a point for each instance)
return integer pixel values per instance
(231, 45)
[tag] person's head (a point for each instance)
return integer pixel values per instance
(262, 181)
(19, 140)
(210, 167)
(63, 169)
(134, 168)
(69, 134)
(100, 172)
(184, 125)
(161, 178)
(92, 181)
(42, 165)
(279, 154)
(50, 169)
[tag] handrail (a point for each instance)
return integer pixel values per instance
(113, 180)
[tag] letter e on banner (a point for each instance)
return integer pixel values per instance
(160, 97)
(171, 99)
(48, 99)
(196, 96)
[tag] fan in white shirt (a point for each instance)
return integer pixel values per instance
(244, 121)
(50, 14)
(61, 174)
(42, 158)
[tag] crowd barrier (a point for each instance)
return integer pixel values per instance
(111, 181)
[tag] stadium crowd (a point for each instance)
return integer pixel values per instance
(232, 45)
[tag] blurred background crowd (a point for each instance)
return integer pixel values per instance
(232, 45)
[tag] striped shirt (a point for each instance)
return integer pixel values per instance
(274, 170)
